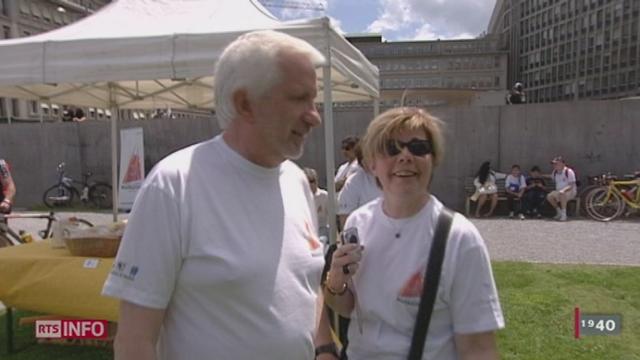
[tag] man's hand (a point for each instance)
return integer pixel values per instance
(5, 207)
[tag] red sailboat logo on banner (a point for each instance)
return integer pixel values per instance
(134, 169)
(131, 166)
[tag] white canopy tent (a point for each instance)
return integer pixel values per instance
(142, 54)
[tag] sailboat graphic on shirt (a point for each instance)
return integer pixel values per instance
(411, 291)
(312, 240)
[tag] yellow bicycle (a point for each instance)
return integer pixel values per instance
(608, 202)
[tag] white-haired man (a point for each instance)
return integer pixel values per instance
(220, 258)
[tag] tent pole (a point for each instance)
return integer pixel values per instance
(114, 150)
(40, 111)
(328, 150)
(376, 107)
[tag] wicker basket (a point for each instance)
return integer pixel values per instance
(98, 241)
(96, 246)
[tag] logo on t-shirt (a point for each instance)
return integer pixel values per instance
(124, 270)
(411, 291)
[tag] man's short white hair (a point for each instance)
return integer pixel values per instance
(251, 62)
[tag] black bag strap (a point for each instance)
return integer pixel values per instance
(431, 281)
(341, 326)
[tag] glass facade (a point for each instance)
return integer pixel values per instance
(574, 49)
(474, 64)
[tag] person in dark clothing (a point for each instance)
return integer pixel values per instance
(535, 193)
(517, 95)
(67, 114)
(79, 116)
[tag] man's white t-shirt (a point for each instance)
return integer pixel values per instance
(230, 250)
(346, 170)
(390, 278)
(321, 197)
(565, 177)
(359, 189)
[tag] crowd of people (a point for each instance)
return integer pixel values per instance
(526, 194)
(223, 252)
(75, 115)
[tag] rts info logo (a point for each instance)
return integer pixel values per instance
(71, 329)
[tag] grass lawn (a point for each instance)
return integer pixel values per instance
(538, 301)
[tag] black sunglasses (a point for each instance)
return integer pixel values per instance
(417, 147)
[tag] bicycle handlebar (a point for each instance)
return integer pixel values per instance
(27, 216)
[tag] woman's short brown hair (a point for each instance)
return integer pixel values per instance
(389, 123)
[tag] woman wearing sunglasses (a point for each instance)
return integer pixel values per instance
(385, 270)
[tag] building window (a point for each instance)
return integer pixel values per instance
(35, 10)
(46, 14)
(24, 7)
(15, 108)
(33, 107)
(6, 32)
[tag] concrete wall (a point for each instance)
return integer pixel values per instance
(592, 136)
(34, 150)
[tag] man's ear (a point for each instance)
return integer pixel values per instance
(242, 104)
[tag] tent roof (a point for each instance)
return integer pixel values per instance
(161, 53)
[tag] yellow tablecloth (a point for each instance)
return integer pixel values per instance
(37, 278)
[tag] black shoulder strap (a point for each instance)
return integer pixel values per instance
(430, 285)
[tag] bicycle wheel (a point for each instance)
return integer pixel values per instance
(100, 195)
(603, 206)
(4, 240)
(58, 196)
(584, 195)
(8, 237)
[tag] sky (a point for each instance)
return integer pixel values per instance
(399, 19)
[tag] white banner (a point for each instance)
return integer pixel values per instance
(131, 166)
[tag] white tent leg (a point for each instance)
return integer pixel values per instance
(376, 107)
(114, 151)
(329, 152)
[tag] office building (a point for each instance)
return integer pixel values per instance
(570, 49)
(20, 18)
(440, 72)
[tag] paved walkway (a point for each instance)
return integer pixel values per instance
(575, 241)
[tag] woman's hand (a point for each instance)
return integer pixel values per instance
(344, 265)
(326, 356)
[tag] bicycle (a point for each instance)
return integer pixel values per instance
(609, 201)
(9, 237)
(64, 191)
(593, 182)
